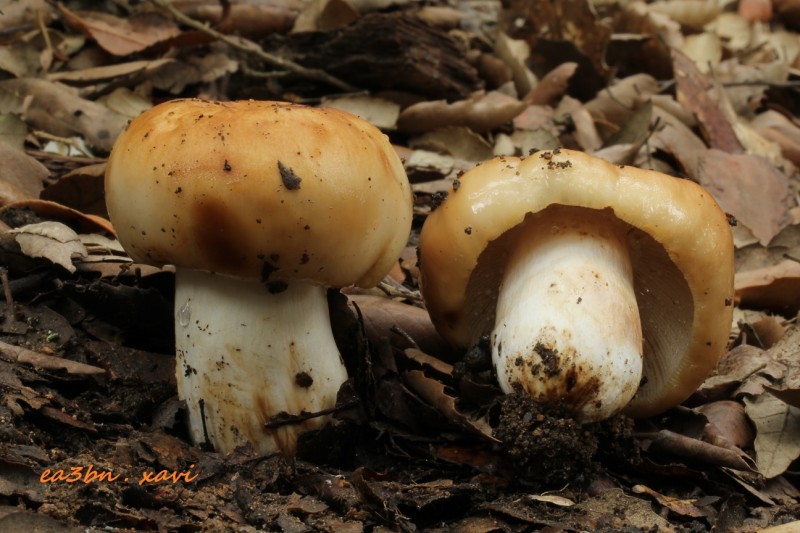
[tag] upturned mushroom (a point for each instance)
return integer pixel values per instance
(259, 206)
(603, 288)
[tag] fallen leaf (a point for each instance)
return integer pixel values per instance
(693, 92)
(773, 287)
(119, 36)
(379, 112)
(325, 15)
(21, 176)
(51, 240)
(681, 507)
(461, 143)
(777, 443)
(59, 110)
(749, 188)
(482, 112)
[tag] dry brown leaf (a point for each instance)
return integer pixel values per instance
(779, 129)
(51, 240)
(58, 110)
(689, 13)
(138, 70)
(382, 314)
(379, 112)
(777, 441)
(681, 507)
(433, 392)
(552, 86)
(250, 17)
(461, 143)
(325, 15)
(775, 287)
(119, 36)
(21, 176)
(693, 93)
(727, 420)
(482, 112)
(749, 188)
(81, 189)
(675, 444)
(515, 53)
(616, 103)
(16, 13)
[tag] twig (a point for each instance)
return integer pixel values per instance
(7, 294)
(252, 48)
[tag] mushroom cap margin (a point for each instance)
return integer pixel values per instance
(679, 215)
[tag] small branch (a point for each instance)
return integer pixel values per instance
(252, 48)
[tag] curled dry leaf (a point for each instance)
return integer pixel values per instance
(692, 14)
(774, 287)
(779, 129)
(552, 86)
(71, 217)
(50, 240)
(678, 506)
(81, 189)
(433, 392)
(251, 18)
(120, 36)
(727, 422)
(675, 444)
(482, 112)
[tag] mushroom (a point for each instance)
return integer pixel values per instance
(259, 206)
(603, 288)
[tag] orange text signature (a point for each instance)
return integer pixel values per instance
(90, 474)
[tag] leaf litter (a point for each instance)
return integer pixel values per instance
(422, 437)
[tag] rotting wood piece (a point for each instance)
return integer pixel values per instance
(385, 51)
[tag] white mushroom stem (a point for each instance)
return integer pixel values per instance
(245, 355)
(567, 328)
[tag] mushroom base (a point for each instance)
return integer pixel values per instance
(245, 355)
(567, 327)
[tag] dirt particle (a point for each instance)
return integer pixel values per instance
(226, 166)
(303, 379)
(290, 180)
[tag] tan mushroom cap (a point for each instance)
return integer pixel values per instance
(680, 242)
(265, 190)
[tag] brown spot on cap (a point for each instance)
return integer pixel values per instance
(290, 180)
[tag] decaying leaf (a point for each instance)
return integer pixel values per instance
(21, 176)
(676, 505)
(59, 110)
(749, 188)
(772, 287)
(120, 36)
(777, 441)
(379, 112)
(481, 112)
(53, 241)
